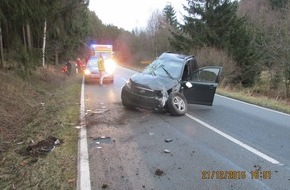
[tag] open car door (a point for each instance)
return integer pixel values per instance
(204, 82)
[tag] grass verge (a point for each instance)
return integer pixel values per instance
(279, 105)
(32, 109)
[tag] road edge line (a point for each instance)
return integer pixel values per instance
(236, 141)
(84, 182)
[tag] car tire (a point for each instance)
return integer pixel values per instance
(177, 104)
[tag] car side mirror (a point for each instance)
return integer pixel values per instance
(188, 84)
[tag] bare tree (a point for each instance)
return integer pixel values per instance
(272, 32)
(158, 31)
(276, 44)
(44, 44)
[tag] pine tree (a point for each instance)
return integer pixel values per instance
(278, 3)
(170, 14)
(214, 23)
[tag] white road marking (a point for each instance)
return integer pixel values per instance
(84, 182)
(251, 149)
(253, 105)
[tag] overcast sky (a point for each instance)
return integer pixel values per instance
(130, 14)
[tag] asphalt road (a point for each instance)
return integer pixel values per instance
(231, 145)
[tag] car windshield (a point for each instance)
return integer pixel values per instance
(93, 62)
(165, 67)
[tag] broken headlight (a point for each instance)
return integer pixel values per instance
(128, 84)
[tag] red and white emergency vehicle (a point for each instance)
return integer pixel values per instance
(92, 71)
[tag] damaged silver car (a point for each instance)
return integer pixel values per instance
(170, 83)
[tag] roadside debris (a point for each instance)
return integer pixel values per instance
(159, 172)
(29, 162)
(102, 139)
(168, 140)
(192, 153)
(258, 168)
(101, 110)
(43, 146)
(70, 124)
(104, 186)
(167, 151)
(98, 111)
(71, 181)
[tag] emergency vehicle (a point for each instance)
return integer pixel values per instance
(92, 71)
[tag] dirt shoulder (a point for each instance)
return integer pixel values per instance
(38, 138)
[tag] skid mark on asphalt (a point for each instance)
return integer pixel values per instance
(236, 141)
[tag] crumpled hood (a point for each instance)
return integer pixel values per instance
(153, 82)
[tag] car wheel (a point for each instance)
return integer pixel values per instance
(177, 104)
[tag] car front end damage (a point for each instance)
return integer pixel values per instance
(134, 95)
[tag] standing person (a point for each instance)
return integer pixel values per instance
(79, 65)
(64, 69)
(68, 66)
(101, 65)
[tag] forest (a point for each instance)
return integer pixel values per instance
(250, 39)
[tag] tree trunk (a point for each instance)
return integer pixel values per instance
(287, 79)
(1, 48)
(6, 31)
(28, 34)
(44, 43)
(24, 36)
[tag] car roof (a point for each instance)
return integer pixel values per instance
(177, 55)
